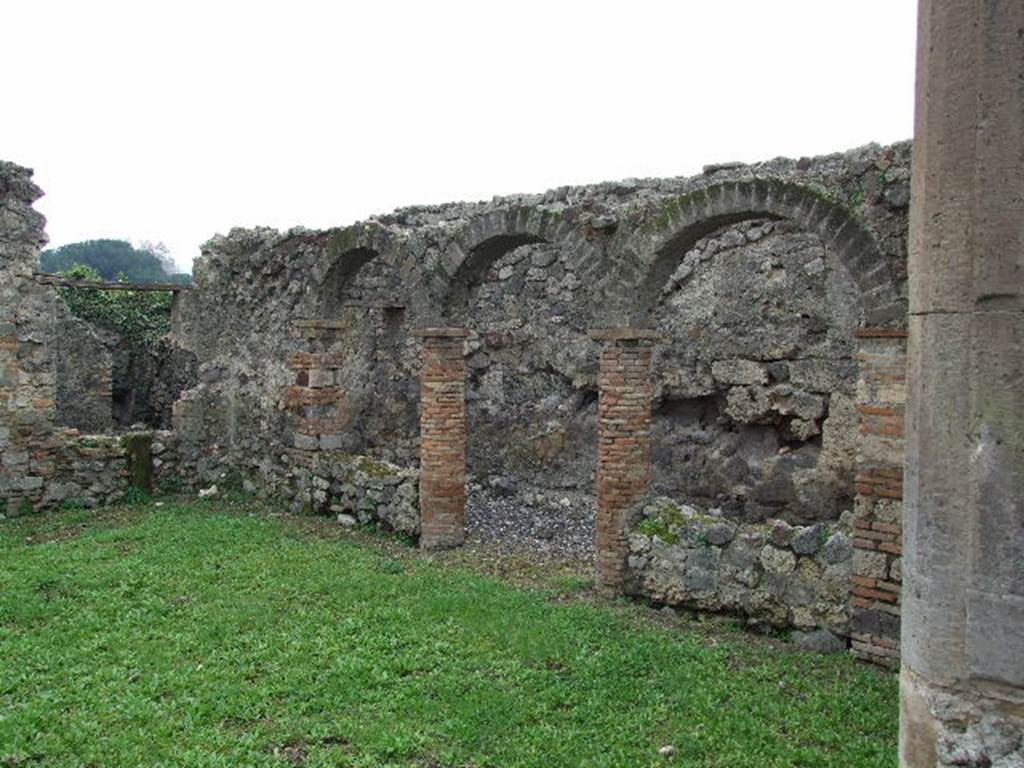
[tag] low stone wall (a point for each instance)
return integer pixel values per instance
(357, 489)
(83, 470)
(362, 490)
(90, 470)
(773, 573)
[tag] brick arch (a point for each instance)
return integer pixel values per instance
(486, 239)
(681, 223)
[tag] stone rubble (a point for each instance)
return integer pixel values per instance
(684, 556)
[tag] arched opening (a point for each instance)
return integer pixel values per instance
(347, 283)
(763, 291)
(473, 270)
(361, 298)
(690, 218)
(754, 413)
(531, 408)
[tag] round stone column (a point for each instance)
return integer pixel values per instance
(962, 679)
(624, 448)
(442, 438)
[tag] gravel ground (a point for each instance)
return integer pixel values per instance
(553, 524)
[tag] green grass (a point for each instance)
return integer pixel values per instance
(179, 635)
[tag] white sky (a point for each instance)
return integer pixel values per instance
(170, 121)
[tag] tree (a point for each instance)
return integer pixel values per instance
(112, 258)
(162, 253)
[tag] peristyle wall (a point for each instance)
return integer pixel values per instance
(758, 280)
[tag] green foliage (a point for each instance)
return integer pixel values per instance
(664, 523)
(111, 259)
(181, 637)
(231, 481)
(858, 195)
(572, 583)
(392, 567)
(135, 495)
(171, 486)
(140, 316)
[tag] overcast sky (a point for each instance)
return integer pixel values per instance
(171, 121)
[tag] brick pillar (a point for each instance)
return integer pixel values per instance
(878, 521)
(442, 438)
(315, 399)
(624, 450)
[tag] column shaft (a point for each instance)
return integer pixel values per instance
(962, 685)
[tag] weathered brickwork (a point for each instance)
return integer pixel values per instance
(624, 443)
(28, 392)
(315, 399)
(443, 438)
(878, 510)
(770, 268)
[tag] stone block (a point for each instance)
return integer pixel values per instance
(741, 372)
(807, 541)
(838, 549)
(873, 565)
(777, 561)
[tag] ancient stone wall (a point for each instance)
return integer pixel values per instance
(84, 366)
(43, 463)
(28, 443)
(107, 380)
(757, 279)
(148, 378)
(759, 310)
(753, 283)
(776, 574)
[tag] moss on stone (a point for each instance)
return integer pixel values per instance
(663, 219)
(352, 462)
(375, 468)
(342, 240)
(664, 523)
(138, 448)
(335, 457)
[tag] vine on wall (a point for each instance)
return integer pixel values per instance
(138, 316)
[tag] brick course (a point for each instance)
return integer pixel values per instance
(319, 408)
(878, 525)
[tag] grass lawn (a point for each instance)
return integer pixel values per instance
(187, 635)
